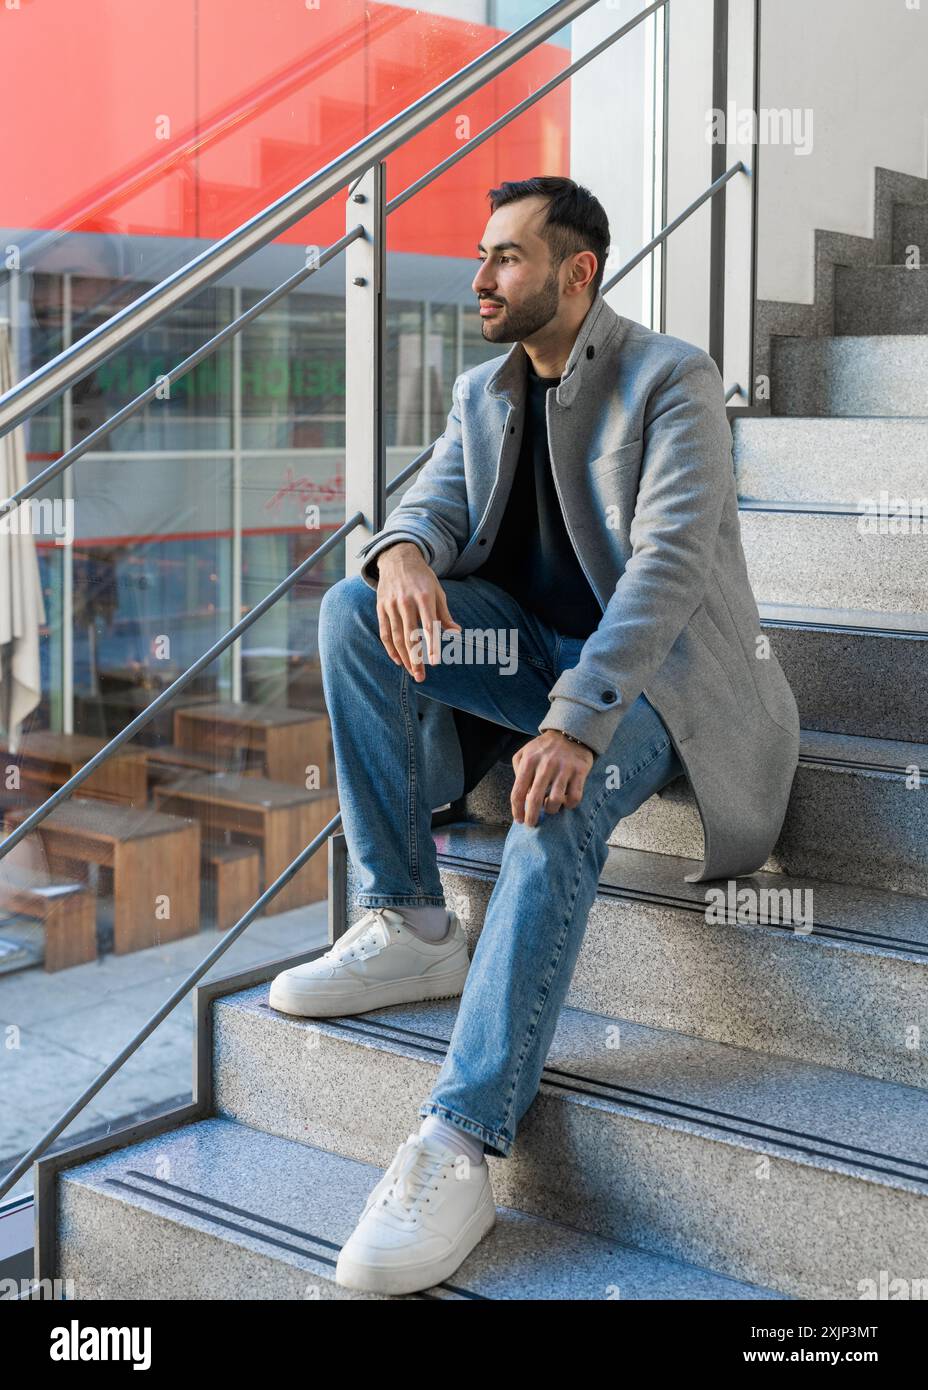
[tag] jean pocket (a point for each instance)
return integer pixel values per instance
(567, 652)
(541, 663)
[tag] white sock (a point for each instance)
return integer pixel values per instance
(454, 1137)
(429, 923)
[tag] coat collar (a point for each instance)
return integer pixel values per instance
(597, 328)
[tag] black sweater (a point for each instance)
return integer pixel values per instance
(532, 557)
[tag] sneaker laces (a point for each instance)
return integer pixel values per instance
(363, 931)
(413, 1170)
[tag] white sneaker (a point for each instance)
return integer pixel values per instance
(421, 1221)
(379, 961)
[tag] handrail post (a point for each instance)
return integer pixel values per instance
(365, 266)
(719, 165)
(740, 260)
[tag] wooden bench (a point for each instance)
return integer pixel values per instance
(231, 881)
(170, 762)
(66, 910)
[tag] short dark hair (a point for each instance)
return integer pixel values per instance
(574, 219)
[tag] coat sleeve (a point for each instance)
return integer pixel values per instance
(686, 472)
(433, 511)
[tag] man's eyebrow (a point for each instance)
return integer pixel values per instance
(502, 246)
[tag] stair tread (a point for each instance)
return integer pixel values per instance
(825, 1118)
(895, 754)
(800, 506)
(298, 1204)
(877, 919)
(834, 424)
(845, 270)
(865, 750)
(874, 620)
(851, 816)
(848, 341)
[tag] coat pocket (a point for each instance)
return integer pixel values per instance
(726, 658)
(617, 458)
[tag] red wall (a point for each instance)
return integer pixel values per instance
(86, 83)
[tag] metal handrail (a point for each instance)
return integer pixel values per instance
(540, 29)
(206, 349)
(160, 1014)
(142, 719)
(662, 235)
(74, 362)
(45, 384)
(126, 412)
(495, 126)
(236, 326)
(139, 722)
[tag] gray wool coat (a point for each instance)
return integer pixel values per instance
(641, 451)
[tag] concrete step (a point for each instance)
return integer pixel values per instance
(800, 1178)
(818, 971)
(910, 228)
(215, 1210)
(853, 671)
(809, 461)
(838, 558)
(855, 815)
(859, 375)
(881, 299)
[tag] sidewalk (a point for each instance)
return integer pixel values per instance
(60, 1030)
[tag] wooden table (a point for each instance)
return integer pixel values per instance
(154, 859)
(286, 740)
(277, 816)
(47, 760)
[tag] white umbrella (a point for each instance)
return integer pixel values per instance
(22, 609)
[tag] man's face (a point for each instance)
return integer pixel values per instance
(517, 289)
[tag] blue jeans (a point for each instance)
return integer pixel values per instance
(537, 913)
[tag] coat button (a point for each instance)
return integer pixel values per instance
(590, 350)
(482, 541)
(608, 696)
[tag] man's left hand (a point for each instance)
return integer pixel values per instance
(548, 761)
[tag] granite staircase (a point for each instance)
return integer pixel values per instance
(735, 1106)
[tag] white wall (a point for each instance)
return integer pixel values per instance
(858, 67)
(861, 67)
(608, 149)
(612, 149)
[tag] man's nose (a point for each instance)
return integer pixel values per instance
(483, 280)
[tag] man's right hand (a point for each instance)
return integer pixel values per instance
(409, 596)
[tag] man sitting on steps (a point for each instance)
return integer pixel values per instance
(581, 505)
